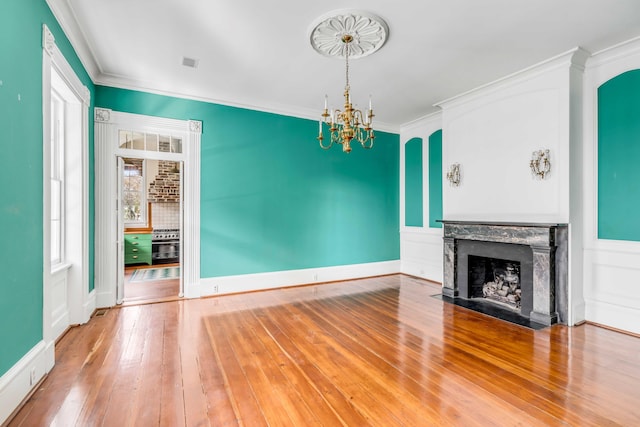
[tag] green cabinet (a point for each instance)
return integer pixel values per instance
(137, 248)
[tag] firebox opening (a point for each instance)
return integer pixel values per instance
(496, 280)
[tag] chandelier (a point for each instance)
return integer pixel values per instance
(350, 34)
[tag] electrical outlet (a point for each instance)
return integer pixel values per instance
(215, 289)
(315, 277)
(32, 376)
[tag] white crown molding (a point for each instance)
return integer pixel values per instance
(67, 20)
(280, 109)
(619, 52)
(575, 57)
(421, 122)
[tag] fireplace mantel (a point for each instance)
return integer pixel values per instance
(548, 243)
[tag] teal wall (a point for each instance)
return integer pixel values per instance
(21, 213)
(413, 183)
(619, 157)
(435, 179)
(272, 199)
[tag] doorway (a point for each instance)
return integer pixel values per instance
(150, 218)
(152, 212)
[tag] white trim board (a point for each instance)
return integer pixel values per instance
(281, 279)
(18, 381)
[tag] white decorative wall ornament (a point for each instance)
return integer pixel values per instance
(453, 176)
(369, 33)
(195, 126)
(102, 115)
(48, 41)
(540, 164)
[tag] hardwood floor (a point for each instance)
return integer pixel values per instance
(378, 351)
(139, 292)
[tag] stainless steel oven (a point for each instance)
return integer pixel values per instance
(165, 246)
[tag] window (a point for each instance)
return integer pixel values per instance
(149, 142)
(57, 179)
(134, 192)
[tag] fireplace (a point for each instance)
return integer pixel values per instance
(495, 280)
(517, 267)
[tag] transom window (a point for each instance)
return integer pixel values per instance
(149, 142)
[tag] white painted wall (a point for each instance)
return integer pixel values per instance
(611, 268)
(420, 247)
(493, 131)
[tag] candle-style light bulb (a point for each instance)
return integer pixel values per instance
(326, 98)
(370, 107)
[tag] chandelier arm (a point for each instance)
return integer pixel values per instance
(325, 147)
(368, 143)
(338, 117)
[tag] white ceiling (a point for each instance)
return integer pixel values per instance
(257, 54)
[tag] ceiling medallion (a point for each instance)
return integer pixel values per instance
(369, 33)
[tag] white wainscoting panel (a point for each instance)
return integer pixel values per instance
(59, 303)
(612, 286)
(421, 254)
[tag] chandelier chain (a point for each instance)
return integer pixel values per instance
(347, 87)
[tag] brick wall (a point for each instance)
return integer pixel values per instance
(166, 186)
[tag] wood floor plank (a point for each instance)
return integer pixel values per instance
(319, 379)
(380, 351)
(243, 401)
(280, 402)
(196, 407)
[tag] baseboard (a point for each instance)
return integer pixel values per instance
(431, 272)
(17, 382)
(89, 307)
(60, 323)
(613, 316)
(280, 279)
(577, 314)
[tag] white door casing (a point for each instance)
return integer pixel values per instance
(120, 233)
(107, 235)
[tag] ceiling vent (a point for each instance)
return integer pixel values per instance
(189, 62)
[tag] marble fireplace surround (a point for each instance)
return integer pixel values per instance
(549, 261)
